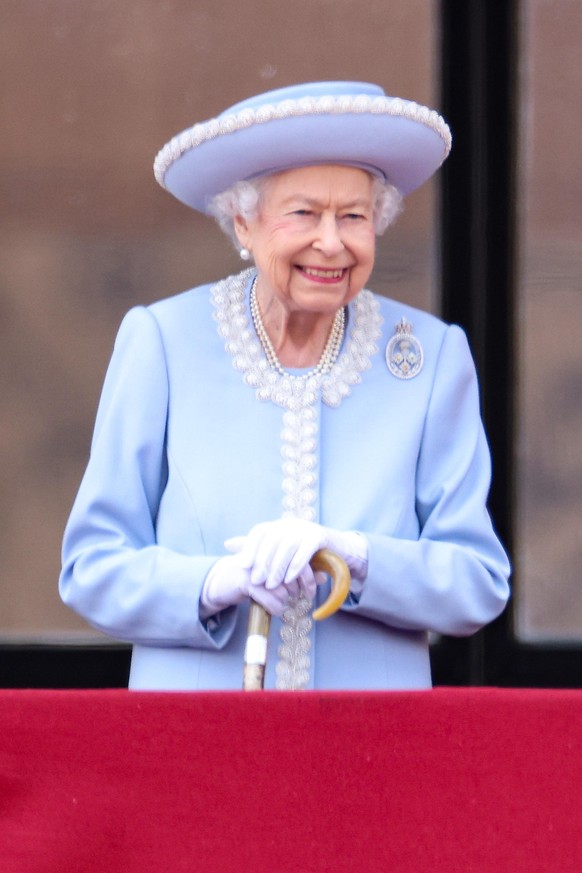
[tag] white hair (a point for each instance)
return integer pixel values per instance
(244, 198)
(388, 204)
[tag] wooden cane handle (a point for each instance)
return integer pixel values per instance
(337, 568)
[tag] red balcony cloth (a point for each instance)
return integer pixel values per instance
(467, 780)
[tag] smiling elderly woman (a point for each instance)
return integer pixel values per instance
(245, 425)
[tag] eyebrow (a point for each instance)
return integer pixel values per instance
(312, 201)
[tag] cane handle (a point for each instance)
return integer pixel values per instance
(337, 569)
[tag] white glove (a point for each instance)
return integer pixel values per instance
(228, 582)
(277, 552)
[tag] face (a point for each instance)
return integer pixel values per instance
(313, 241)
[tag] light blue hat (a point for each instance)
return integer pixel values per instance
(352, 123)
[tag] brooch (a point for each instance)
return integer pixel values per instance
(404, 354)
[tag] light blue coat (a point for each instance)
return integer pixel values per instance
(184, 455)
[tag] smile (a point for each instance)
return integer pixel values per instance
(323, 274)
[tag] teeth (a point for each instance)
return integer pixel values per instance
(323, 274)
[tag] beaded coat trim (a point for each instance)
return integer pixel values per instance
(299, 397)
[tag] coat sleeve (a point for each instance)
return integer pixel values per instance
(114, 573)
(453, 578)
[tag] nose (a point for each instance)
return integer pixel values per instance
(328, 239)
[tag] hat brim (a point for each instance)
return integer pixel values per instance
(401, 141)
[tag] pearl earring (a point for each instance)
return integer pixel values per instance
(245, 254)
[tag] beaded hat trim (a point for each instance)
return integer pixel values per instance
(347, 123)
(344, 105)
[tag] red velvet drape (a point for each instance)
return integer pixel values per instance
(467, 780)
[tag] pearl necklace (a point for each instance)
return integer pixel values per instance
(330, 352)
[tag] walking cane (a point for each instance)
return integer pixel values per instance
(260, 620)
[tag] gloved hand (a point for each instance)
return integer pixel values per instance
(229, 582)
(277, 552)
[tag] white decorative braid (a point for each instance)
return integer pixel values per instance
(299, 397)
(329, 105)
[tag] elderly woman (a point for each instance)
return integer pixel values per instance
(245, 425)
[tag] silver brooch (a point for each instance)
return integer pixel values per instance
(404, 354)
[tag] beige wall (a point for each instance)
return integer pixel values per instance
(90, 91)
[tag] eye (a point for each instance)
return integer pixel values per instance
(302, 212)
(355, 216)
